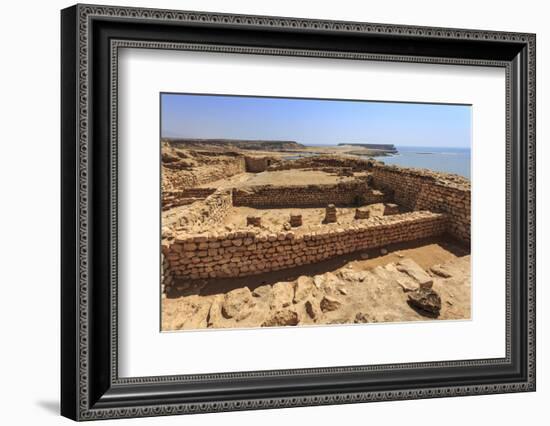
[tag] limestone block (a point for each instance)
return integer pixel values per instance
(413, 270)
(295, 220)
(253, 221)
(330, 214)
(302, 288)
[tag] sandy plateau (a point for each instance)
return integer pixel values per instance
(292, 235)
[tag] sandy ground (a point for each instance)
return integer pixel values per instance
(275, 219)
(281, 177)
(229, 182)
(297, 177)
(363, 290)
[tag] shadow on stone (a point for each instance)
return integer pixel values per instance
(423, 312)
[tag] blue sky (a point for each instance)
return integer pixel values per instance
(315, 122)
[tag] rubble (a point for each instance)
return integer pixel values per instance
(387, 293)
(426, 300)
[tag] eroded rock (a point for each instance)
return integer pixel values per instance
(282, 318)
(362, 318)
(302, 288)
(413, 270)
(318, 280)
(313, 309)
(215, 317)
(193, 312)
(426, 299)
(407, 284)
(353, 276)
(281, 295)
(262, 291)
(441, 271)
(329, 304)
(237, 302)
(331, 284)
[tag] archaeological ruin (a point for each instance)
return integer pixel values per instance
(231, 217)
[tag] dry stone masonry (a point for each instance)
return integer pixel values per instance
(249, 252)
(183, 197)
(221, 222)
(330, 214)
(295, 220)
(426, 190)
(325, 162)
(394, 205)
(185, 174)
(203, 214)
(253, 221)
(351, 193)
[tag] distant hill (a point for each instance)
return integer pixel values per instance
(375, 146)
(261, 145)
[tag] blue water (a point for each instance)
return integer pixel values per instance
(441, 159)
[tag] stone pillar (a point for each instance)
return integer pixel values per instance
(254, 221)
(390, 208)
(330, 214)
(362, 214)
(295, 220)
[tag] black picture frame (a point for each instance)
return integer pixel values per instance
(90, 386)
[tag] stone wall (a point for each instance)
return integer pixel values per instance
(425, 190)
(343, 194)
(218, 168)
(207, 213)
(184, 197)
(257, 164)
(250, 252)
(324, 161)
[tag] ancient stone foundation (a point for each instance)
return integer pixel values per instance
(177, 176)
(424, 190)
(182, 197)
(209, 212)
(346, 194)
(242, 253)
(324, 162)
(394, 205)
(257, 164)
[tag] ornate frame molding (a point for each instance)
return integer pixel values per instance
(82, 16)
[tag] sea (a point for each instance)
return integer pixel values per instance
(441, 159)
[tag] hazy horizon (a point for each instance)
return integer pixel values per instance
(315, 122)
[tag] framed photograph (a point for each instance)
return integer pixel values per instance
(263, 212)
